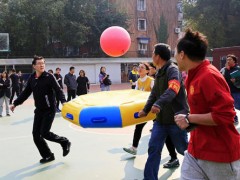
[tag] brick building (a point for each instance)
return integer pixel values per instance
(144, 18)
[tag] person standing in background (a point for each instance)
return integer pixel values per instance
(104, 80)
(71, 83)
(133, 76)
(233, 83)
(58, 77)
(83, 84)
(21, 81)
(15, 84)
(5, 92)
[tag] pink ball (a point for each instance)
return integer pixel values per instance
(115, 41)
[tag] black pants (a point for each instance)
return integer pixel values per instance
(133, 86)
(71, 94)
(171, 148)
(137, 136)
(14, 90)
(57, 102)
(41, 130)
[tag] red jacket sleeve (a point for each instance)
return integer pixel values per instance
(219, 99)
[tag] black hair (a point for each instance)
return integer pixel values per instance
(163, 50)
(82, 71)
(50, 71)
(233, 57)
(194, 45)
(58, 68)
(4, 72)
(102, 68)
(152, 65)
(35, 58)
(146, 65)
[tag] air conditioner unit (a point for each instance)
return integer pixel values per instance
(177, 30)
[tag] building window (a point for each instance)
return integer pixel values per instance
(141, 5)
(142, 47)
(142, 24)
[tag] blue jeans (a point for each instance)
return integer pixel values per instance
(236, 97)
(158, 137)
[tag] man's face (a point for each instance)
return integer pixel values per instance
(72, 71)
(58, 71)
(39, 66)
(155, 58)
(179, 58)
(230, 62)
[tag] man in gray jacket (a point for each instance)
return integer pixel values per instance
(71, 83)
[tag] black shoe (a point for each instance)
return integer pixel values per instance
(66, 148)
(173, 163)
(8, 115)
(47, 159)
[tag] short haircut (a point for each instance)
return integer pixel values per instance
(58, 68)
(50, 71)
(71, 68)
(35, 58)
(163, 50)
(194, 45)
(233, 57)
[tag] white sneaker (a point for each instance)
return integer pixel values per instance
(131, 150)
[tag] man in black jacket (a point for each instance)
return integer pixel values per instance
(42, 85)
(167, 98)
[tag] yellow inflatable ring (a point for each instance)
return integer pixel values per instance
(107, 109)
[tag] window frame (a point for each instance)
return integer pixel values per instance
(145, 24)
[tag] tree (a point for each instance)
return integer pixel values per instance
(162, 31)
(217, 19)
(48, 27)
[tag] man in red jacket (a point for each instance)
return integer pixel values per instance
(214, 146)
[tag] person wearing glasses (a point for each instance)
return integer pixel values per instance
(43, 85)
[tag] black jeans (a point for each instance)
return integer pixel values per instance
(14, 90)
(41, 130)
(71, 94)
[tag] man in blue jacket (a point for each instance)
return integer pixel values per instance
(42, 85)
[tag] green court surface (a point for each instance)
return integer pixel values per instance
(95, 153)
